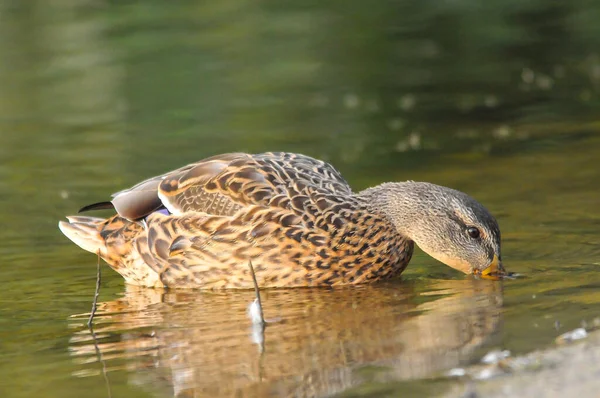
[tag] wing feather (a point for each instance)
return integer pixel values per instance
(224, 184)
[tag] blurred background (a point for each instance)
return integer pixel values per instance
(499, 99)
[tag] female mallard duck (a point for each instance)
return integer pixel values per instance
(294, 217)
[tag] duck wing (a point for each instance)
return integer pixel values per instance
(221, 185)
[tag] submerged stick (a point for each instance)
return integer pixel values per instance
(101, 360)
(90, 325)
(95, 302)
(260, 316)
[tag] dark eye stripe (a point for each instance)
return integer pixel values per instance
(457, 220)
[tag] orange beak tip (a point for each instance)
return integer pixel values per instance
(494, 271)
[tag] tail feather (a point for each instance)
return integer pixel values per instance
(114, 238)
(98, 206)
(85, 219)
(85, 233)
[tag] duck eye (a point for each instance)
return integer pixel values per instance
(473, 232)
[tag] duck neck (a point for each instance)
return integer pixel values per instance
(397, 202)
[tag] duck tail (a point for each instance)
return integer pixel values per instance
(85, 233)
(114, 239)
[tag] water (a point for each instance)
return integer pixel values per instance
(499, 100)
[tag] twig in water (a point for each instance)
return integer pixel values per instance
(95, 302)
(101, 360)
(261, 318)
(91, 328)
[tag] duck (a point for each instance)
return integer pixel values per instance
(290, 219)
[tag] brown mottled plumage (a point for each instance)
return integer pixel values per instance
(293, 216)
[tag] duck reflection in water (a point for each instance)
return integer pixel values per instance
(200, 343)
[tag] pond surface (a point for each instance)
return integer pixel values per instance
(500, 100)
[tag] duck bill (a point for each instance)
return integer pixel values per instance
(493, 271)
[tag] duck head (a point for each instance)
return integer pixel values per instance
(447, 224)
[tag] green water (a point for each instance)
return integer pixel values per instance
(500, 100)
